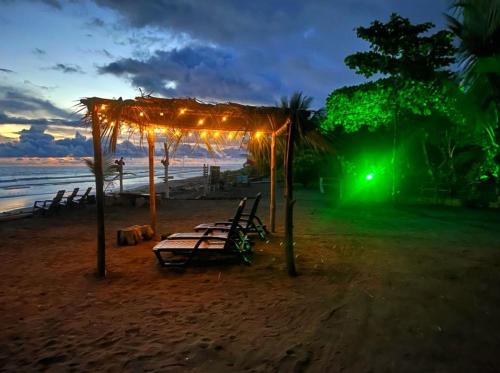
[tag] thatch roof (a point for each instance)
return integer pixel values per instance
(144, 113)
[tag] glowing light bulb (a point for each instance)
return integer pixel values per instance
(224, 118)
(161, 114)
(230, 136)
(369, 177)
(258, 135)
(182, 111)
(103, 107)
(141, 114)
(201, 121)
(190, 134)
(203, 134)
(216, 134)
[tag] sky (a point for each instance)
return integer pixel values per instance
(54, 52)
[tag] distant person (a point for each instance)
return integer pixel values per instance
(120, 163)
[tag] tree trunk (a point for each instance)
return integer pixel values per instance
(289, 202)
(99, 190)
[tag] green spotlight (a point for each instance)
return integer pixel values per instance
(369, 177)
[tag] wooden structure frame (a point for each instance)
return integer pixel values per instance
(145, 114)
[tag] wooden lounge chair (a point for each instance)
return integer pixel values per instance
(48, 206)
(248, 223)
(68, 201)
(232, 242)
(80, 200)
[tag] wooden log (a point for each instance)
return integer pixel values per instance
(272, 199)
(152, 199)
(133, 235)
(289, 202)
(99, 187)
(128, 236)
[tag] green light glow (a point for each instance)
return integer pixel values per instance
(369, 177)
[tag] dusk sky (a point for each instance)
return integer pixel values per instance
(55, 52)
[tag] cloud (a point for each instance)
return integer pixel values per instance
(274, 47)
(53, 3)
(19, 102)
(204, 72)
(67, 68)
(39, 52)
(20, 106)
(35, 142)
(7, 71)
(96, 22)
(43, 87)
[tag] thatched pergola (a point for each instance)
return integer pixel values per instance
(108, 118)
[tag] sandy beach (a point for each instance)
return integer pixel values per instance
(380, 290)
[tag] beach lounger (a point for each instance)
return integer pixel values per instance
(232, 242)
(80, 200)
(48, 206)
(248, 223)
(68, 201)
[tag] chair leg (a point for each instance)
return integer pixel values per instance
(179, 264)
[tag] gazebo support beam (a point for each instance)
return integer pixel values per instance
(152, 193)
(289, 201)
(99, 191)
(272, 197)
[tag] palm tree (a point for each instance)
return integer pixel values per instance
(476, 23)
(303, 132)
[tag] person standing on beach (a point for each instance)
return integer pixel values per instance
(120, 163)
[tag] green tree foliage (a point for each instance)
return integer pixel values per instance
(375, 104)
(476, 24)
(398, 49)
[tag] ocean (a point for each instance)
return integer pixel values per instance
(24, 181)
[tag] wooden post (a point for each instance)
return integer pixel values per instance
(166, 163)
(152, 193)
(289, 201)
(99, 190)
(272, 202)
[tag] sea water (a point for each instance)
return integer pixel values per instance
(24, 181)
